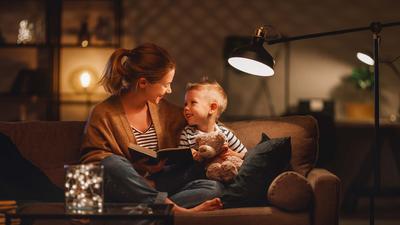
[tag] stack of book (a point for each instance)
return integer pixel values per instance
(7, 206)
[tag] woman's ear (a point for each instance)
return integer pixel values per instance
(142, 82)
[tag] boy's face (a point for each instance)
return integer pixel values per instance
(197, 107)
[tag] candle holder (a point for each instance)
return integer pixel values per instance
(84, 187)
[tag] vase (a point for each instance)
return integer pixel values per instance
(363, 111)
(84, 188)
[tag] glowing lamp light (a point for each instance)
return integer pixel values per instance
(85, 79)
(84, 43)
(365, 58)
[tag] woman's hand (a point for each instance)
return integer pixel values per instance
(142, 167)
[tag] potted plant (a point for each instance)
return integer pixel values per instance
(356, 94)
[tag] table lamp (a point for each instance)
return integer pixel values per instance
(83, 81)
(254, 59)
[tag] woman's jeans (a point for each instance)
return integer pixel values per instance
(182, 184)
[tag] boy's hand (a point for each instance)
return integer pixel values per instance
(196, 155)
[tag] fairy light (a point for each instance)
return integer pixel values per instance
(83, 187)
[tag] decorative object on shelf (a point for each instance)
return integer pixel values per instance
(91, 23)
(255, 59)
(25, 32)
(84, 188)
(84, 35)
(103, 30)
(29, 82)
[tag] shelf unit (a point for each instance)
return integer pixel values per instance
(43, 56)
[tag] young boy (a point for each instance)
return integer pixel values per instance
(204, 103)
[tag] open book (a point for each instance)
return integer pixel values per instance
(173, 155)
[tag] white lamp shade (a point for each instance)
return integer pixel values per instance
(365, 58)
(251, 66)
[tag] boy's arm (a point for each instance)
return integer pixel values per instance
(184, 142)
(235, 144)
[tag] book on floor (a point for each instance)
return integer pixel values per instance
(173, 155)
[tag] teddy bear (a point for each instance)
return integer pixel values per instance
(210, 146)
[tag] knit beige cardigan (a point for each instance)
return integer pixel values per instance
(107, 130)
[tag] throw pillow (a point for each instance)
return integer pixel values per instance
(260, 167)
(290, 191)
(24, 181)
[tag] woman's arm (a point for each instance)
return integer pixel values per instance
(105, 133)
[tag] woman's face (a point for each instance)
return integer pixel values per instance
(156, 91)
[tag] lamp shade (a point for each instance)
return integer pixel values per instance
(253, 59)
(365, 58)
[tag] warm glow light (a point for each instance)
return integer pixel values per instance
(251, 66)
(84, 78)
(365, 58)
(84, 43)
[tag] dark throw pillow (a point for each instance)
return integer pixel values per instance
(20, 179)
(260, 167)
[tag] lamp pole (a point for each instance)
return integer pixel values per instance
(240, 60)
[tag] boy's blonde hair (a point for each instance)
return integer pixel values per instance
(216, 93)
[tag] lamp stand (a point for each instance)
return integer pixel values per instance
(375, 28)
(287, 77)
(87, 100)
(256, 53)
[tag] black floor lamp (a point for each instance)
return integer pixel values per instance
(255, 60)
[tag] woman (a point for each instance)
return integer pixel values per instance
(136, 113)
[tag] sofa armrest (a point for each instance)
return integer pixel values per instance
(326, 188)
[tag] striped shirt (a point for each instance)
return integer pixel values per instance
(189, 133)
(147, 138)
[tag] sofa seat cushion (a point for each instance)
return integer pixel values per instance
(290, 191)
(303, 131)
(244, 216)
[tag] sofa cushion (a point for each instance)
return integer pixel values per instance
(290, 191)
(303, 131)
(18, 175)
(243, 216)
(260, 166)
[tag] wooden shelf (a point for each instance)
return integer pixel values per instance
(11, 45)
